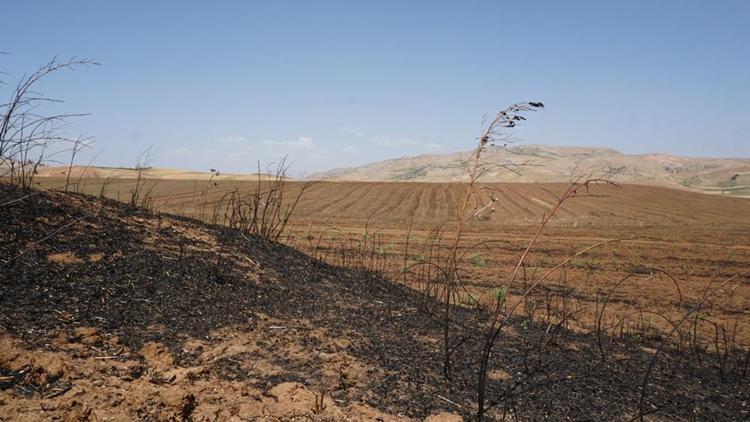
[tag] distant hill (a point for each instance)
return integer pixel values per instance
(538, 163)
(94, 172)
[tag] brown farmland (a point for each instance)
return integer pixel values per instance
(672, 243)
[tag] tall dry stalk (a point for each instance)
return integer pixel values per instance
(142, 164)
(501, 313)
(27, 134)
(79, 144)
(266, 211)
(497, 131)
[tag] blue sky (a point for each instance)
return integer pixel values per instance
(222, 84)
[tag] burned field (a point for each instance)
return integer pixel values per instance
(666, 245)
(110, 311)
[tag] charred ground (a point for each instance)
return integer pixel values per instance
(150, 315)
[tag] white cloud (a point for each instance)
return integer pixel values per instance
(232, 140)
(306, 142)
(356, 132)
(235, 153)
(181, 152)
(239, 153)
(303, 142)
(385, 141)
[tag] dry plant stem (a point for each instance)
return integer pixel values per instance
(452, 259)
(494, 132)
(406, 248)
(264, 213)
(20, 199)
(78, 145)
(141, 163)
(319, 403)
(600, 313)
(497, 324)
(570, 192)
(85, 169)
(499, 321)
(25, 132)
(707, 293)
(320, 238)
(103, 188)
(44, 239)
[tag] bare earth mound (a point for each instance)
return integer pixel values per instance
(116, 313)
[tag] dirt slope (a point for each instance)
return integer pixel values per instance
(119, 314)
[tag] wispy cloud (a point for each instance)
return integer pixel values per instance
(237, 151)
(402, 142)
(356, 132)
(303, 142)
(232, 140)
(181, 152)
(386, 141)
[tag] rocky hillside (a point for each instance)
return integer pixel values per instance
(537, 163)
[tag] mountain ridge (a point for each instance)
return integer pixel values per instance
(540, 163)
